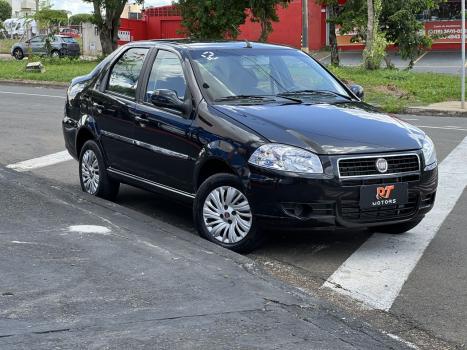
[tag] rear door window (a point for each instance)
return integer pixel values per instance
(125, 73)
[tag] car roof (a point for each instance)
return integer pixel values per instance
(190, 44)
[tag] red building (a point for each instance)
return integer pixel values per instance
(165, 23)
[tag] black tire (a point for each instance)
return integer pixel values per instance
(107, 188)
(252, 238)
(397, 229)
(18, 54)
(55, 54)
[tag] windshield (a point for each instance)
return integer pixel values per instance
(261, 72)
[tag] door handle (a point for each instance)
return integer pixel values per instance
(141, 119)
(98, 106)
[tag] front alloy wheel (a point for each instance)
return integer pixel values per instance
(223, 214)
(227, 214)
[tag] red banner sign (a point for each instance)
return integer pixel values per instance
(448, 31)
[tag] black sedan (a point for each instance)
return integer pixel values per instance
(255, 135)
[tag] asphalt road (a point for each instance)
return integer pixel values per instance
(448, 62)
(430, 309)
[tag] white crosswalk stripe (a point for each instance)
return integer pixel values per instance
(376, 272)
(41, 162)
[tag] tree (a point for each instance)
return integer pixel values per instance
(5, 10)
(219, 19)
(47, 17)
(333, 12)
(107, 19)
(264, 12)
(404, 29)
(212, 19)
(81, 18)
(397, 22)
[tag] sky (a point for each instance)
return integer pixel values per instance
(78, 6)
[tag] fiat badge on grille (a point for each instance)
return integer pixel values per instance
(382, 165)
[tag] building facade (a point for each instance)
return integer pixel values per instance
(165, 23)
(22, 8)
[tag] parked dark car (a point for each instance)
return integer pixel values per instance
(255, 135)
(60, 46)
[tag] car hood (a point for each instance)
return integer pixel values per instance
(325, 128)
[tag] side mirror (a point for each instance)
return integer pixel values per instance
(168, 99)
(358, 91)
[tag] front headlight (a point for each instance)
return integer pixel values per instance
(286, 158)
(429, 153)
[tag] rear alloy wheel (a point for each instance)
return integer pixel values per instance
(18, 53)
(93, 174)
(223, 214)
(90, 172)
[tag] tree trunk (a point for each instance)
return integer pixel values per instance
(389, 64)
(109, 25)
(264, 32)
(370, 35)
(106, 41)
(333, 9)
(371, 24)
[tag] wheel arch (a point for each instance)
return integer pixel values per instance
(86, 131)
(220, 157)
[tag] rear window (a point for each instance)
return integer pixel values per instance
(68, 40)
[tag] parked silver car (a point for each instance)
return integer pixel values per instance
(61, 45)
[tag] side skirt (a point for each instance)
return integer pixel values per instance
(140, 182)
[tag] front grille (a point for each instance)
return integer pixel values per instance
(351, 211)
(380, 180)
(397, 164)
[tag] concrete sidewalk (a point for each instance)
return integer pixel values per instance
(443, 109)
(78, 272)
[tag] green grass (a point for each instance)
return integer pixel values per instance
(394, 90)
(56, 70)
(6, 44)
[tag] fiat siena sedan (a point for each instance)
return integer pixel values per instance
(256, 136)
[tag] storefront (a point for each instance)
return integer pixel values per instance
(442, 24)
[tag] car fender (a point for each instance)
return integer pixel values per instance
(230, 154)
(87, 123)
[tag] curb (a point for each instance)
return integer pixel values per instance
(36, 83)
(426, 111)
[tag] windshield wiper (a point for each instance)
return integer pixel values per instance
(243, 97)
(256, 97)
(313, 92)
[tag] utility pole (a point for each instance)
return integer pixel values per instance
(37, 6)
(305, 25)
(463, 55)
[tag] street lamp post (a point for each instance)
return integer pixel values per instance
(305, 25)
(463, 55)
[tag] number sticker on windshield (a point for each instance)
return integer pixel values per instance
(209, 55)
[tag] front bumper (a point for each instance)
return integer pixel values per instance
(328, 201)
